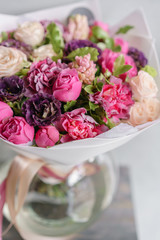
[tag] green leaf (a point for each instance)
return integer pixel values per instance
(99, 33)
(124, 29)
(93, 106)
(109, 124)
(119, 61)
(82, 52)
(58, 56)
(121, 69)
(4, 36)
(152, 71)
(55, 36)
(69, 105)
(117, 48)
(109, 43)
(99, 86)
(89, 89)
(107, 73)
(101, 45)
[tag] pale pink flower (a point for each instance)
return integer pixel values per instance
(124, 44)
(102, 25)
(85, 67)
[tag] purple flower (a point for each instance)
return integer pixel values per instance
(42, 75)
(11, 88)
(74, 44)
(41, 110)
(138, 57)
(19, 45)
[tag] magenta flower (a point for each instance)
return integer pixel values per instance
(78, 125)
(67, 87)
(46, 136)
(107, 62)
(42, 75)
(115, 98)
(5, 111)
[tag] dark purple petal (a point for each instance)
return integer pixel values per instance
(41, 110)
(138, 57)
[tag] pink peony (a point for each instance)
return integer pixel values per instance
(107, 62)
(41, 76)
(124, 44)
(104, 26)
(116, 99)
(5, 111)
(85, 67)
(16, 130)
(67, 87)
(78, 125)
(47, 136)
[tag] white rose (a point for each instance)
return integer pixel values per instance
(146, 110)
(143, 86)
(43, 52)
(11, 61)
(31, 33)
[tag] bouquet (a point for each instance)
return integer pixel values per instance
(60, 83)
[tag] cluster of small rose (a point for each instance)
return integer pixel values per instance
(63, 83)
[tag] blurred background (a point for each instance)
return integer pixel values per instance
(142, 154)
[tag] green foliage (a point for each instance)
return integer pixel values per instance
(82, 52)
(55, 37)
(69, 105)
(3, 36)
(93, 106)
(152, 71)
(119, 67)
(124, 29)
(89, 89)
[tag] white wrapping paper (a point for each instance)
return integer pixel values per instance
(75, 152)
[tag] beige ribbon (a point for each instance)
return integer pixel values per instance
(21, 174)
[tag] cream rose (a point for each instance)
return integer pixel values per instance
(11, 61)
(31, 33)
(43, 52)
(143, 86)
(146, 110)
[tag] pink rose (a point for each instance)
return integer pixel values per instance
(78, 125)
(5, 111)
(67, 87)
(143, 86)
(47, 136)
(107, 62)
(16, 130)
(104, 26)
(124, 44)
(41, 76)
(116, 99)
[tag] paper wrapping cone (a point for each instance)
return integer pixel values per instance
(73, 153)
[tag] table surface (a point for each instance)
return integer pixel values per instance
(115, 223)
(142, 153)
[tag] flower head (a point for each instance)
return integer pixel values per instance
(42, 75)
(115, 98)
(46, 136)
(27, 49)
(5, 111)
(138, 57)
(41, 110)
(74, 44)
(11, 88)
(85, 67)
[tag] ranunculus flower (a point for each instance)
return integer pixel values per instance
(124, 44)
(16, 130)
(146, 110)
(11, 61)
(107, 62)
(47, 136)
(115, 98)
(43, 52)
(85, 67)
(102, 25)
(78, 125)
(5, 111)
(42, 75)
(138, 57)
(41, 109)
(77, 28)
(11, 88)
(31, 33)
(67, 87)
(27, 49)
(143, 86)
(74, 44)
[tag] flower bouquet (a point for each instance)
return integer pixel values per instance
(70, 91)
